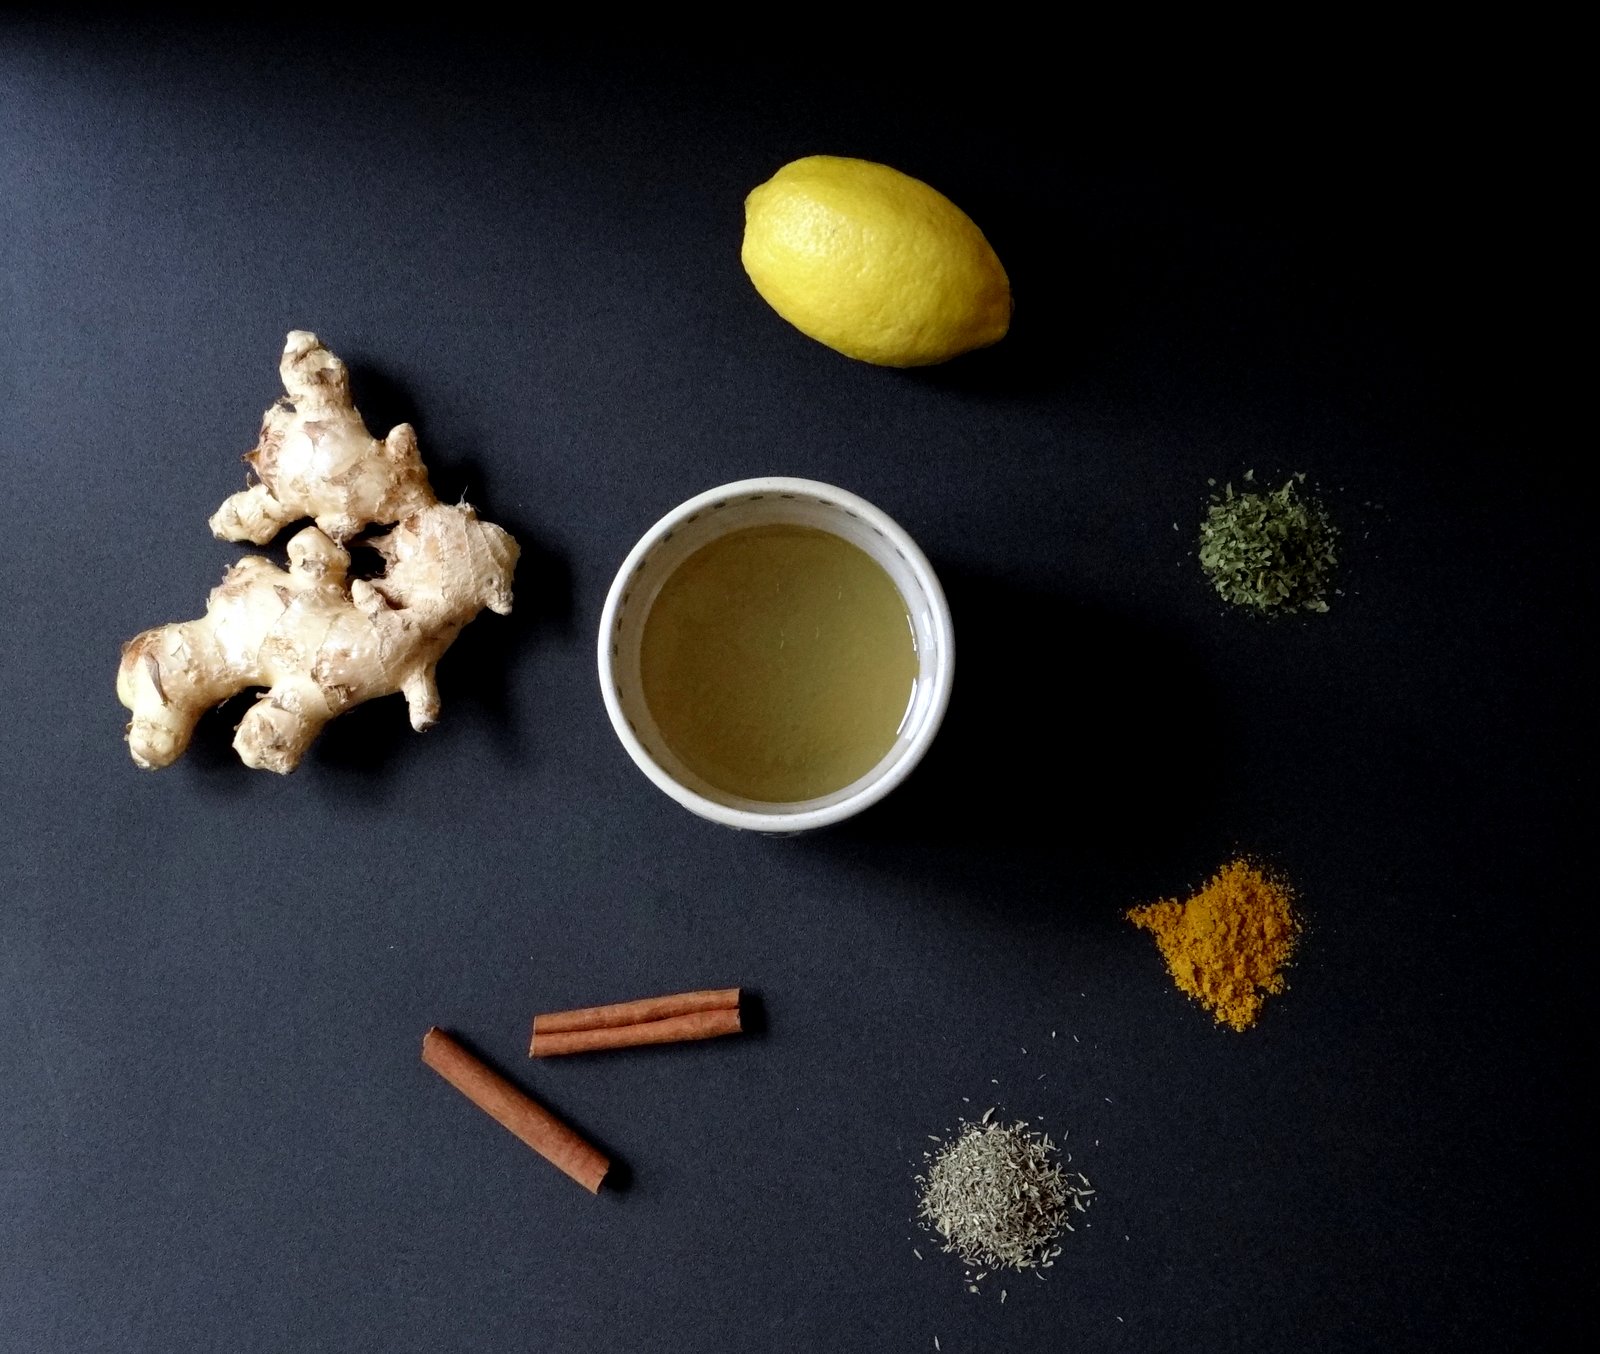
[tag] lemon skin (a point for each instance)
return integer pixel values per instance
(873, 263)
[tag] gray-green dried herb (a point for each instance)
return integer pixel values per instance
(1273, 551)
(996, 1196)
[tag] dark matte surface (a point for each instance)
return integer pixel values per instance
(215, 1132)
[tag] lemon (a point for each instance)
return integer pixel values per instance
(873, 262)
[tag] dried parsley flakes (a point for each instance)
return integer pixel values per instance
(996, 1196)
(1272, 550)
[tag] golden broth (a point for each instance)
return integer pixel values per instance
(779, 662)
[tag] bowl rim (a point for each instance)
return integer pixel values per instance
(802, 819)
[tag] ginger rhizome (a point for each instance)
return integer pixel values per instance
(319, 641)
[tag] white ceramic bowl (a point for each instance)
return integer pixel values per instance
(760, 502)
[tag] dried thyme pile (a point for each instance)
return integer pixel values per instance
(1273, 550)
(996, 1197)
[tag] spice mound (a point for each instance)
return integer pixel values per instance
(1273, 551)
(997, 1197)
(1227, 945)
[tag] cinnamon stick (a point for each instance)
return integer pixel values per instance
(674, 1029)
(636, 1012)
(510, 1108)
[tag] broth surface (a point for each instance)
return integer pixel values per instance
(779, 662)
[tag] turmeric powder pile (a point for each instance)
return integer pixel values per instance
(1227, 945)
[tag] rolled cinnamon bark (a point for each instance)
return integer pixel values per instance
(636, 1012)
(510, 1108)
(675, 1029)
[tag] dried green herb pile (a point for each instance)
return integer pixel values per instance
(1271, 550)
(997, 1197)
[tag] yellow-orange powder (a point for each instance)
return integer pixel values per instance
(1227, 945)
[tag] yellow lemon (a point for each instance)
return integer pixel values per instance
(873, 262)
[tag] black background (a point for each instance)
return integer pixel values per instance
(214, 1129)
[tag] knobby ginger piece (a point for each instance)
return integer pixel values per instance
(317, 640)
(316, 459)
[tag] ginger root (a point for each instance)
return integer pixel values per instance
(316, 459)
(318, 641)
